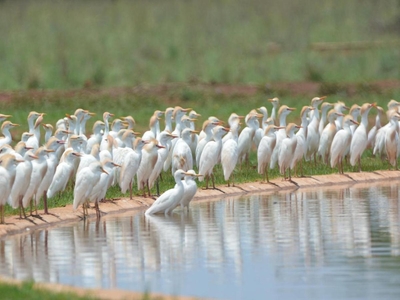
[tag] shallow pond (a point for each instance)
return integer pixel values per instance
(306, 244)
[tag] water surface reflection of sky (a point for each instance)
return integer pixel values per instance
(307, 244)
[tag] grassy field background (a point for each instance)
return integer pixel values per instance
(71, 44)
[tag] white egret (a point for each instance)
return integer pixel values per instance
(379, 148)
(147, 163)
(194, 138)
(339, 107)
(154, 125)
(190, 188)
(107, 151)
(325, 107)
(86, 159)
(327, 135)
(287, 149)
(211, 155)
(128, 139)
(5, 129)
(182, 155)
(341, 142)
(34, 120)
(25, 136)
(100, 189)
(22, 177)
(97, 135)
(284, 111)
(171, 198)
(355, 112)
(116, 126)
(48, 129)
(168, 119)
(213, 119)
(261, 130)
(39, 168)
(164, 139)
(313, 130)
(208, 127)
(4, 117)
(8, 165)
(86, 179)
(275, 108)
(245, 140)
(106, 117)
(360, 138)
(52, 162)
(130, 121)
(130, 165)
(64, 172)
(301, 146)
(392, 138)
(230, 152)
(265, 149)
(378, 124)
(177, 114)
(233, 118)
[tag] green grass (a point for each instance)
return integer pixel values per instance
(64, 44)
(27, 291)
(142, 105)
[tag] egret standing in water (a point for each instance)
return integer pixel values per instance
(190, 188)
(171, 198)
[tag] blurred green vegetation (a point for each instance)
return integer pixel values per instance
(64, 44)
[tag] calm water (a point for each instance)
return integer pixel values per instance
(342, 243)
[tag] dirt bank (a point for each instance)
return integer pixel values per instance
(305, 88)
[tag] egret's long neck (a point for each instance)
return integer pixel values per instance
(323, 116)
(264, 120)
(36, 132)
(106, 127)
(168, 123)
(304, 125)
(209, 133)
(304, 120)
(282, 120)
(31, 125)
(77, 126)
(83, 127)
(378, 123)
(364, 118)
(316, 113)
(235, 131)
(7, 134)
(156, 127)
(178, 127)
(47, 135)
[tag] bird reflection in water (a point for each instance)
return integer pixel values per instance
(295, 230)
